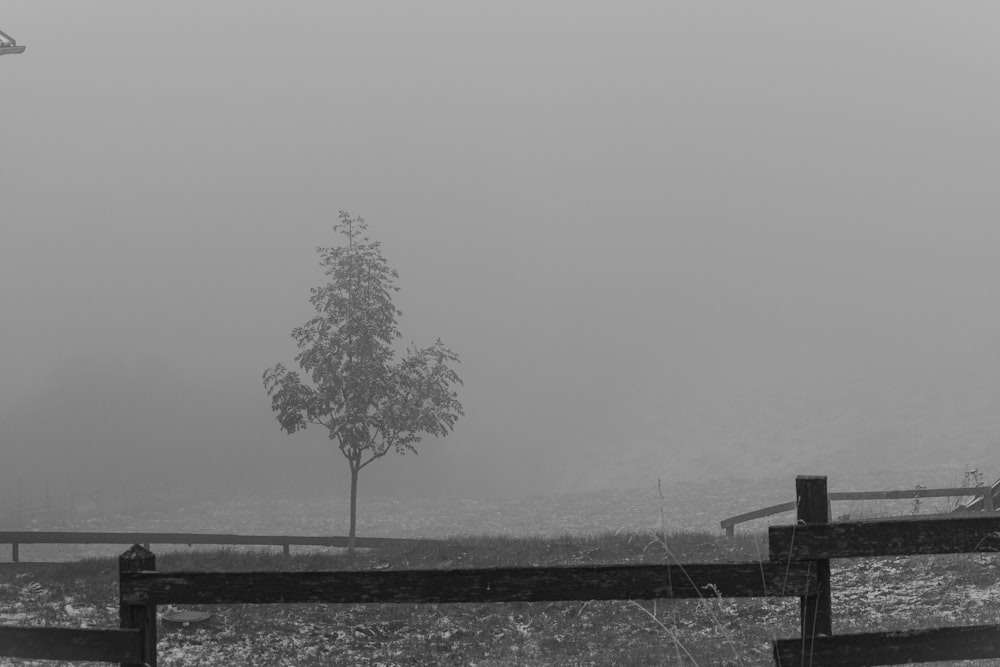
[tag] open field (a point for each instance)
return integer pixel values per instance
(686, 506)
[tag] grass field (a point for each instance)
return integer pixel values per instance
(890, 593)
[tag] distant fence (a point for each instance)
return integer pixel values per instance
(16, 538)
(799, 566)
(986, 498)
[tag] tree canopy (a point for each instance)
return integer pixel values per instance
(369, 402)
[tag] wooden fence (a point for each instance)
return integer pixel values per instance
(986, 498)
(799, 566)
(142, 588)
(815, 540)
(19, 537)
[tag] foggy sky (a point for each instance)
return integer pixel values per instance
(667, 240)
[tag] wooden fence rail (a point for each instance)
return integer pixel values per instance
(891, 537)
(114, 645)
(974, 642)
(513, 584)
(986, 498)
(16, 538)
(147, 589)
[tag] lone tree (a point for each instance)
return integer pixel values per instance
(369, 403)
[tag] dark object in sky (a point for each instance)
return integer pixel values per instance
(8, 45)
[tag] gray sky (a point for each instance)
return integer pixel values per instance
(672, 240)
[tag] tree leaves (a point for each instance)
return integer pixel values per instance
(369, 402)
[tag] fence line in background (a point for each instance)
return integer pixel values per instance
(15, 538)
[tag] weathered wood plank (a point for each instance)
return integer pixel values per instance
(60, 537)
(757, 514)
(141, 618)
(904, 494)
(815, 611)
(531, 584)
(918, 517)
(966, 534)
(979, 503)
(70, 644)
(892, 648)
(864, 495)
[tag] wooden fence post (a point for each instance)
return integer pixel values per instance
(816, 610)
(140, 617)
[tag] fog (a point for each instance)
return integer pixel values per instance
(676, 241)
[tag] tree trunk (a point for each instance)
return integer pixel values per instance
(354, 511)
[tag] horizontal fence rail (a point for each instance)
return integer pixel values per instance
(731, 522)
(907, 494)
(19, 537)
(854, 539)
(115, 645)
(518, 584)
(984, 495)
(974, 642)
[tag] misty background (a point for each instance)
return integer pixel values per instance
(679, 241)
